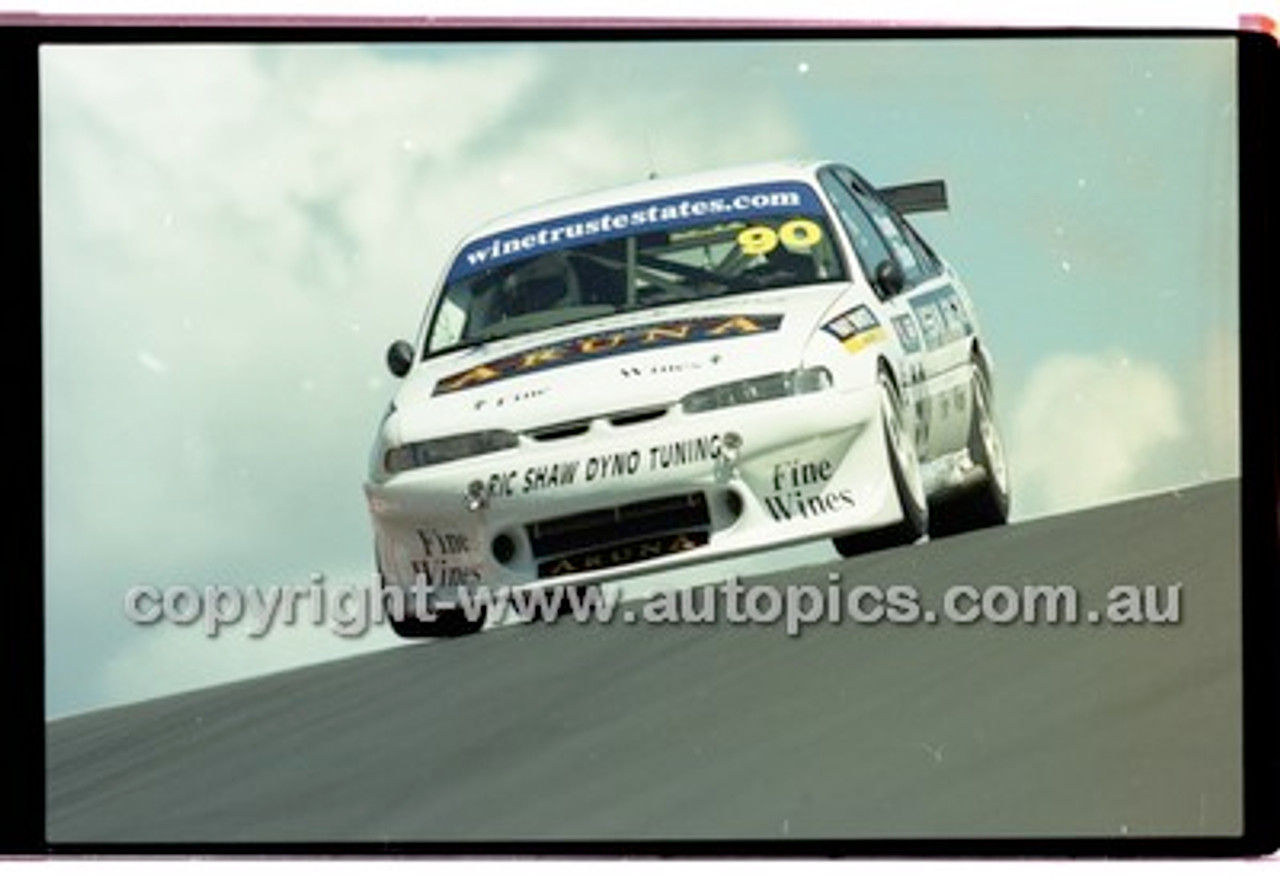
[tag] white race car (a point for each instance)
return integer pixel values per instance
(682, 370)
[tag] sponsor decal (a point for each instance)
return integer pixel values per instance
(665, 369)
(603, 467)
(856, 329)
(908, 333)
(703, 207)
(447, 559)
(622, 554)
(524, 395)
(942, 316)
(798, 234)
(802, 506)
(798, 491)
(640, 338)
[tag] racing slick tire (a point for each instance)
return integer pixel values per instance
(986, 503)
(448, 623)
(904, 465)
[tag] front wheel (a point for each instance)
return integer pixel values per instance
(985, 503)
(904, 466)
(446, 622)
(452, 622)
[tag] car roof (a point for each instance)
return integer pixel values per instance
(655, 188)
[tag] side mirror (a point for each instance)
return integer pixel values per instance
(889, 278)
(400, 358)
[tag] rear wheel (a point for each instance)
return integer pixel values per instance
(985, 503)
(904, 466)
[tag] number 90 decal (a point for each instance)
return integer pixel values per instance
(799, 233)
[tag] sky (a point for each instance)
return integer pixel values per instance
(233, 234)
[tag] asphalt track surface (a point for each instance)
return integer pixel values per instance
(573, 733)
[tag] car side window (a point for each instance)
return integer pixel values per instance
(928, 259)
(868, 244)
(916, 262)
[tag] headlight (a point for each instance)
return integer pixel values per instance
(441, 450)
(758, 389)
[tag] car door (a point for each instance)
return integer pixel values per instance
(925, 305)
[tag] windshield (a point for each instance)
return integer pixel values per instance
(679, 249)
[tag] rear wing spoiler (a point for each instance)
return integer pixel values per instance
(920, 196)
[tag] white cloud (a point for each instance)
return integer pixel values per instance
(1219, 393)
(1086, 428)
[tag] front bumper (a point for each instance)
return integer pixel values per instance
(619, 501)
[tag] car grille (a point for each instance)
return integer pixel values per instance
(620, 535)
(555, 433)
(579, 427)
(633, 417)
